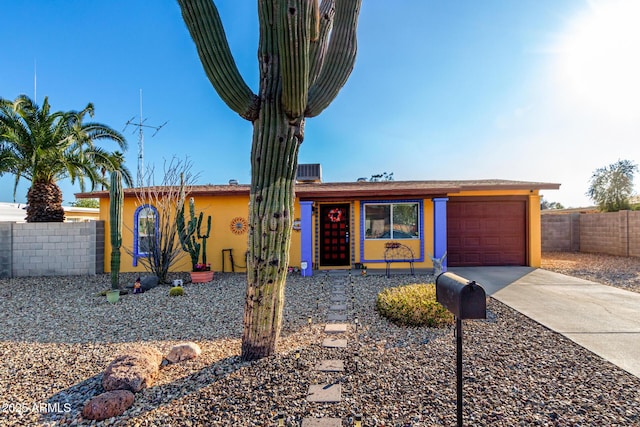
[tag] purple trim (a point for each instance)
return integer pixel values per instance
(306, 237)
(440, 228)
(137, 254)
(420, 227)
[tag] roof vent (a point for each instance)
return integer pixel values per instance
(233, 182)
(362, 179)
(310, 172)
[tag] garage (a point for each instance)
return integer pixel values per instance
(486, 232)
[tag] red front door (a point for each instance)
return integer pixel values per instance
(334, 235)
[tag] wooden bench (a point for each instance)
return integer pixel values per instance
(397, 252)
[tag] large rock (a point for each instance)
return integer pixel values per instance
(134, 370)
(149, 282)
(107, 405)
(183, 351)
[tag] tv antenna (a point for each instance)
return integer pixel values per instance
(140, 125)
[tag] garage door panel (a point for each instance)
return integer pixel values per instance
(486, 233)
(490, 258)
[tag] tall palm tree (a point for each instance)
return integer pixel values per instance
(45, 147)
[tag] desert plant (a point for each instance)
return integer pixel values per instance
(306, 53)
(176, 291)
(413, 305)
(167, 198)
(189, 233)
(116, 200)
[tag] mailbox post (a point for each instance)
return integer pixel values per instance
(466, 300)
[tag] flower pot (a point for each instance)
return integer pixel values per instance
(201, 276)
(113, 296)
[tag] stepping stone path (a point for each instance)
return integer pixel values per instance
(330, 366)
(335, 328)
(331, 392)
(322, 422)
(337, 317)
(334, 343)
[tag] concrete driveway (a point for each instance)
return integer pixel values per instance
(600, 318)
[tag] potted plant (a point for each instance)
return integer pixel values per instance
(113, 295)
(189, 233)
(201, 273)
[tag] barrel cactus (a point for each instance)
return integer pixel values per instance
(306, 53)
(116, 201)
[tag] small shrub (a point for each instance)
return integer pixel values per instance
(176, 291)
(413, 305)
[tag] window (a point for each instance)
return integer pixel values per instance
(145, 226)
(391, 220)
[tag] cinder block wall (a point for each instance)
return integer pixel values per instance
(5, 249)
(613, 233)
(561, 232)
(634, 233)
(54, 249)
(604, 233)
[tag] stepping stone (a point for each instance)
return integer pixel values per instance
(334, 343)
(326, 393)
(338, 307)
(335, 328)
(321, 422)
(338, 298)
(330, 366)
(334, 292)
(337, 317)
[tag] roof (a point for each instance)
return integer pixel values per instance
(17, 212)
(362, 189)
(13, 212)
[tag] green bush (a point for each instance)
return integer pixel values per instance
(176, 291)
(413, 305)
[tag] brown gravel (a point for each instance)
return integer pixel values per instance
(57, 336)
(621, 272)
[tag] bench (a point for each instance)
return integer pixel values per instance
(397, 252)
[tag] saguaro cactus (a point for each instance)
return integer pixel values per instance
(116, 200)
(306, 52)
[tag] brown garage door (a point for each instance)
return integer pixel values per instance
(486, 233)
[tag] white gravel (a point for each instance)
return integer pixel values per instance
(57, 336)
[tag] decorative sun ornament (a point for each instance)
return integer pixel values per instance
(239, 225)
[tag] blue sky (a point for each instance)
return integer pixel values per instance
(538, 90)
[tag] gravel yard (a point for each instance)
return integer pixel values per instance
(57, 337)
(621, 272)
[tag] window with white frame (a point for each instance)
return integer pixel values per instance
(145, 226)
(391, 220)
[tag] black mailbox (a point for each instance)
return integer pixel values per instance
(465, 299)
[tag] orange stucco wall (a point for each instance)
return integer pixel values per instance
(223, 209)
